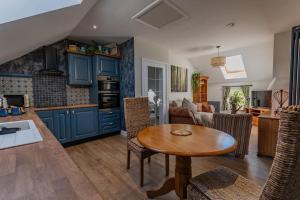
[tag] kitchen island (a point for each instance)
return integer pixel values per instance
(41, 170)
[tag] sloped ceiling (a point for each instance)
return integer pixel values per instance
(22, 36)
(256, 21)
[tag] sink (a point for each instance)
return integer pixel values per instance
(27, 134)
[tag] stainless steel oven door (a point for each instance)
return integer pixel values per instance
(109, 100)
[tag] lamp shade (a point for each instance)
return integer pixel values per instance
(218, 61)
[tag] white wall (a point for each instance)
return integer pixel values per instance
(178, 60)
(282, 56)
(149, 50)
(145, 49)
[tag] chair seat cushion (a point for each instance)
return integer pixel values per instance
(222, 184)
(136, 142)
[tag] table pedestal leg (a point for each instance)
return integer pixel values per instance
(183, 172)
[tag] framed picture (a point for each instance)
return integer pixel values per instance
(178, 79)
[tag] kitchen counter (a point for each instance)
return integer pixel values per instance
(66, 107)
(41, 170)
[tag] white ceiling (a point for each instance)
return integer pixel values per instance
(256, 21)
(22, 36)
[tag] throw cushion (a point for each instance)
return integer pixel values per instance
(173, 104)
(189, 105)
(206, 108)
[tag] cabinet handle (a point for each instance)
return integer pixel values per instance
(111, 123)
(67, 112)
(110, 112)
(91, 81)
(73, 112)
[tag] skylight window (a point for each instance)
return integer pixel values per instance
(234, 68)
(11, 10)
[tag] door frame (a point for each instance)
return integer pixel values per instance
(164, 66)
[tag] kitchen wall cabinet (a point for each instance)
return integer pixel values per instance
(80, 69)
(109, 121)
(69, 125)
(106, 66)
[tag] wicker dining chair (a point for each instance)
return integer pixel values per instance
(137, 117)
(284, 178)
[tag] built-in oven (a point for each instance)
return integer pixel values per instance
(108, 100)
(108, 84)
(108, 92)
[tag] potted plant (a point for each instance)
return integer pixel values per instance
(196, 81)
(236, 101)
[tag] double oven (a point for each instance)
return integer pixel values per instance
(108, 92)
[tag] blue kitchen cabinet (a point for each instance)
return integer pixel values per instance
(62, 125)
(84, 122)
(47, 118)
(109, 121)
(80, 69)
(69, 125)
(106, 66)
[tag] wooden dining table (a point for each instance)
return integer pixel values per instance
(200, 142)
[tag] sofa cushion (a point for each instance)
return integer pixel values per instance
(206, 108)
(204, 118)
(189, 105)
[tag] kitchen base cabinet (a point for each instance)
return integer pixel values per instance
(84, 123)
(109, 121)
(69, 125)
(62, 126)
(47, 118)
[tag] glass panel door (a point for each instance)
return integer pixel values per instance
(154, 87)
(155, 94)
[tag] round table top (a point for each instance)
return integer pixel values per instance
(202, 142)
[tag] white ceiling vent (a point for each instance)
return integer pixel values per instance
(159, 13)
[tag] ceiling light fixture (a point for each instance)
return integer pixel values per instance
(230, 25)
(94, 26)
(218, 61)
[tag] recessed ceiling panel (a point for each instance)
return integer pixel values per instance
(160, 13)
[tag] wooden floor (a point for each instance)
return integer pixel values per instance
(103, 161)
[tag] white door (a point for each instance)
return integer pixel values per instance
(154, 86)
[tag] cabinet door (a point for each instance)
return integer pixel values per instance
(62, 125)
(47, 118)
(84, 122)
(108, 66)
(80, 69)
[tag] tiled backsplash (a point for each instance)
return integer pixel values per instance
(16, 85)
(20, 85)
(49, 90)
(78, 95)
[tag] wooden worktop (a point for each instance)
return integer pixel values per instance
(41, 170)
(66, 107)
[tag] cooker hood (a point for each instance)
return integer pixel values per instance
(50, 61)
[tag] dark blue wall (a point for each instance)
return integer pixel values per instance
(127, 84)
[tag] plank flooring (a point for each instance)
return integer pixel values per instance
(103, 161)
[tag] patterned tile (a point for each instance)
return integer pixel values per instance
(78, 95)
(17, 86)
(49, 90)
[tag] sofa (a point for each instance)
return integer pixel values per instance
(179, 114)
